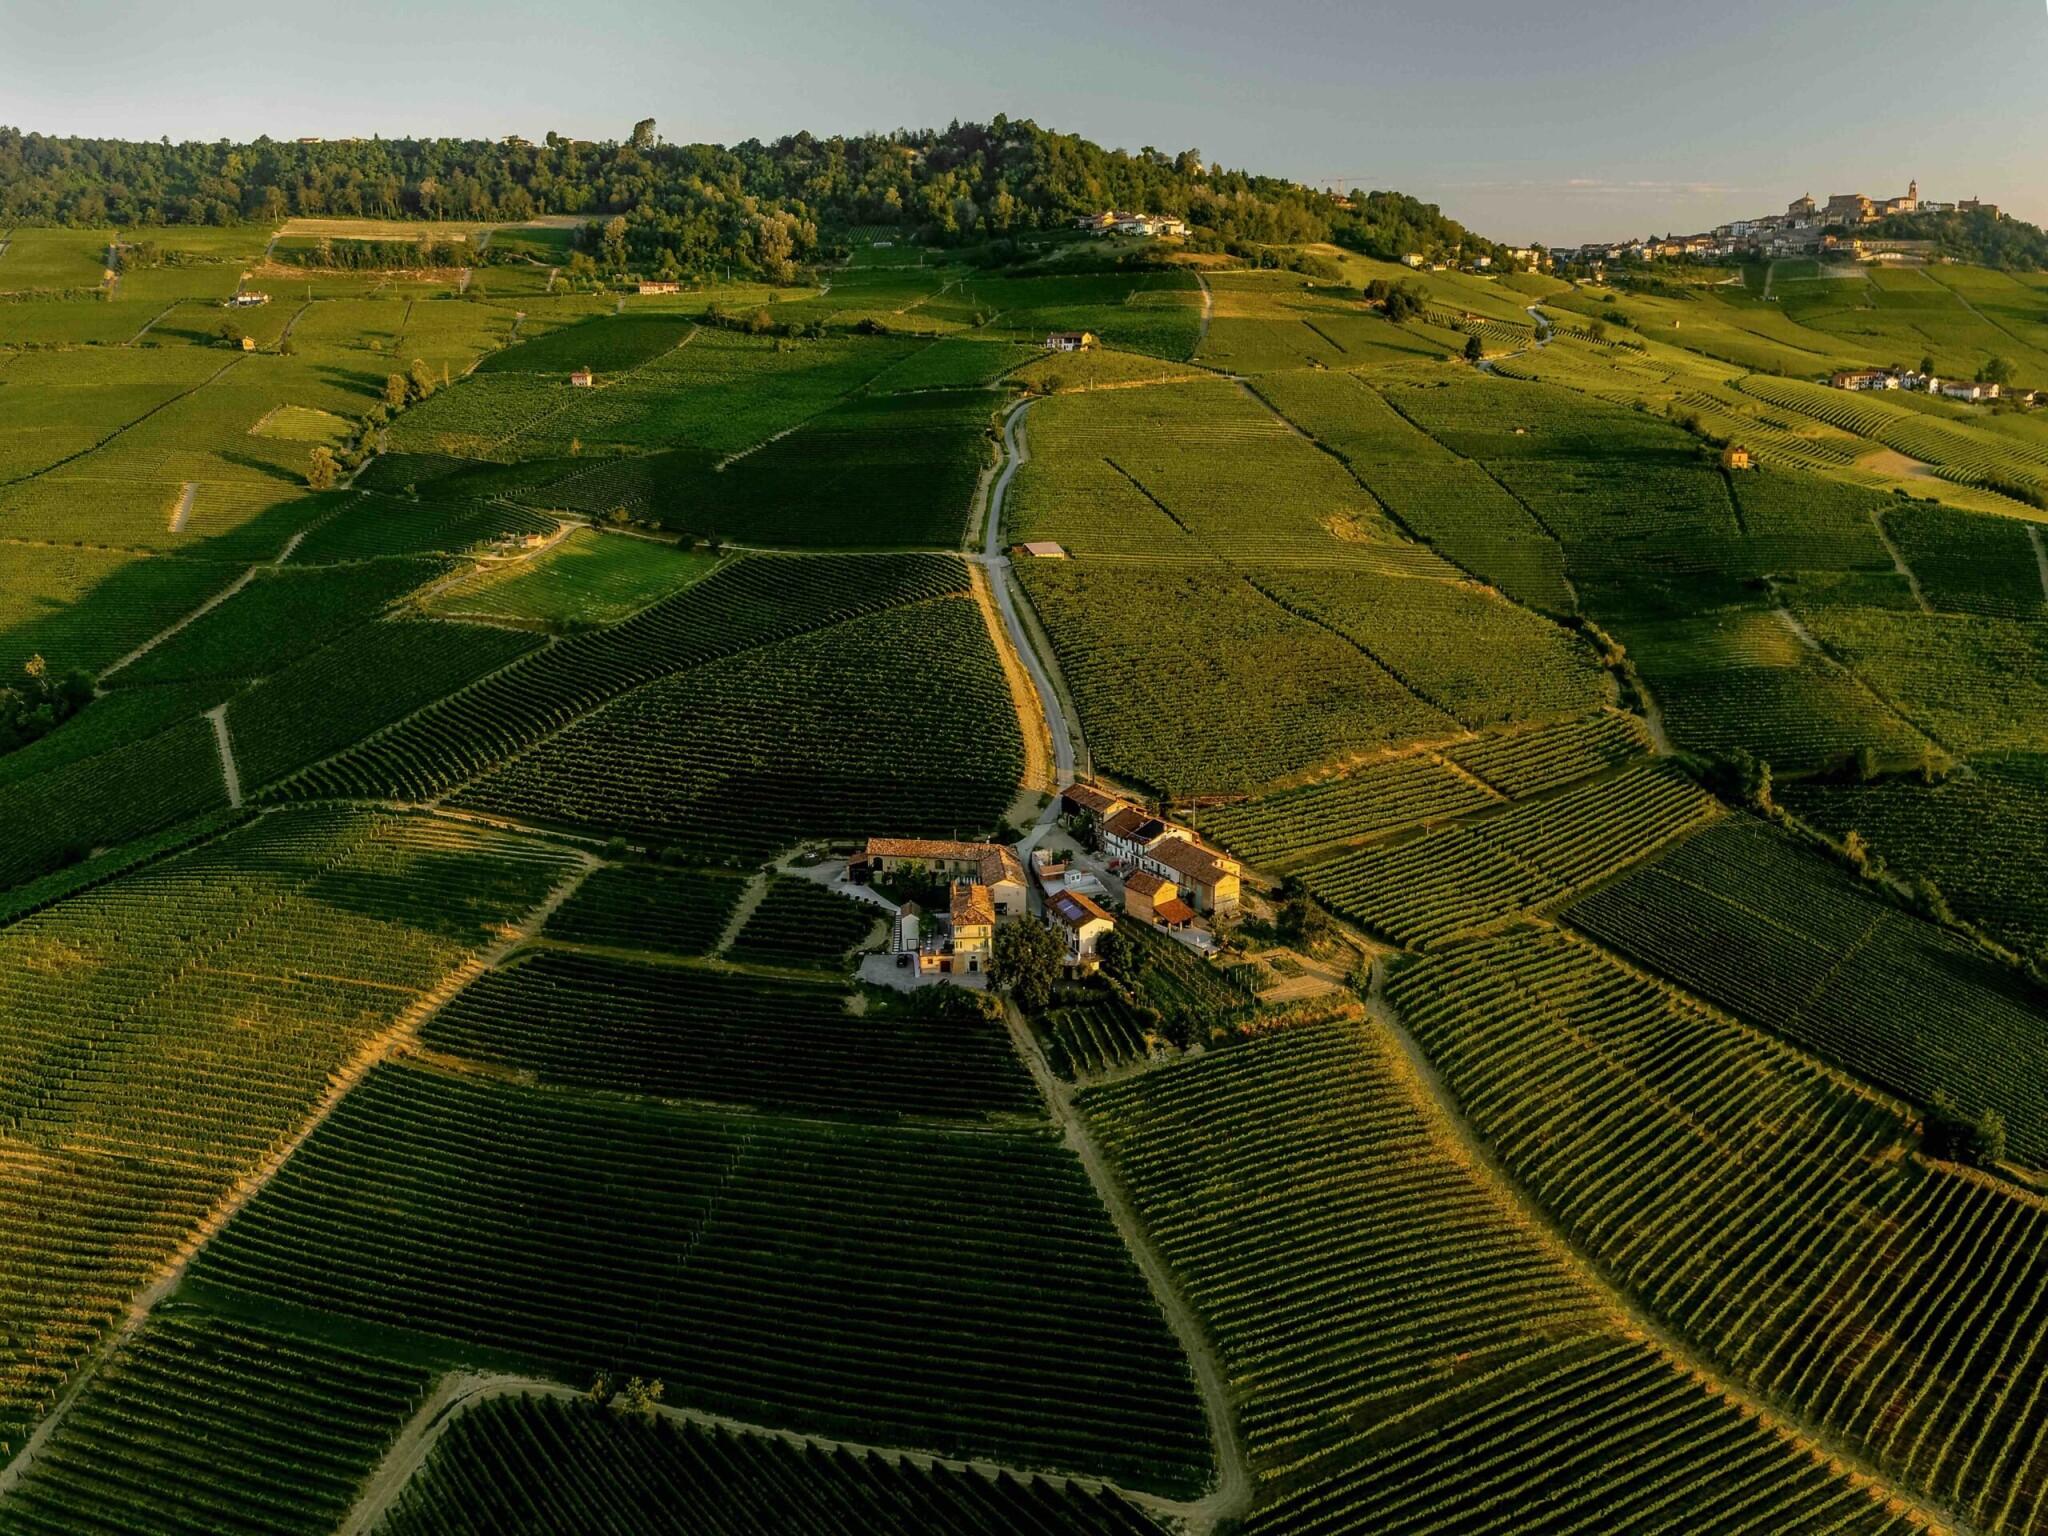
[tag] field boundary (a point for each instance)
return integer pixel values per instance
(73, 458)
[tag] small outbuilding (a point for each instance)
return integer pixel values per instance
(1735, 456)
(1042, 549)
(583, 378)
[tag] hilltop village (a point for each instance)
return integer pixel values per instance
(1806, 228)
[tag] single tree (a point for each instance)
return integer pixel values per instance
(421, 384)
(1474, 349)
(1119, 957)
(1927, 363)
(323, 472)
(1027, 960)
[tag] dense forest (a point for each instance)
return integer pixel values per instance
(688, 207)
(1982, 239)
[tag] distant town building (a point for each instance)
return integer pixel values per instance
(1864, 378)
(245, 300)
(1070, 341)
(1967, 390)
(648, 288)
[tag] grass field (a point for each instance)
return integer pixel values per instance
(588, 578)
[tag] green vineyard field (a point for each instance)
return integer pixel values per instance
(910, 1286)
(723, 1037)
(549, 1468)
(1684, 1153)
(1420, 1360)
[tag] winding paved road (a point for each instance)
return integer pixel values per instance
(1015, 453)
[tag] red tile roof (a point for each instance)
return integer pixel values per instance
(1074, 909)
(972, 905)
(1203, 865)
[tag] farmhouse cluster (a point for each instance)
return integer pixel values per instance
(1168, 872)
(1116, 222)
(1805, 228)
(1971, 391)
(1171, 880)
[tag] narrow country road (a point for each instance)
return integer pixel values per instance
(218, 716)
(1232, 1495)
(1015, 453)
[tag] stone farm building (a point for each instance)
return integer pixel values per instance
(972, 925)
(1139, 842)
(1070, 341)
(1154, 899)
(990, 865)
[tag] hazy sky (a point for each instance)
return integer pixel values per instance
(1528, 119)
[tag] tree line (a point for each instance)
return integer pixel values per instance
(691, 208)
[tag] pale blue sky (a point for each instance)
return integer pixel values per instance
(1528, 119)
